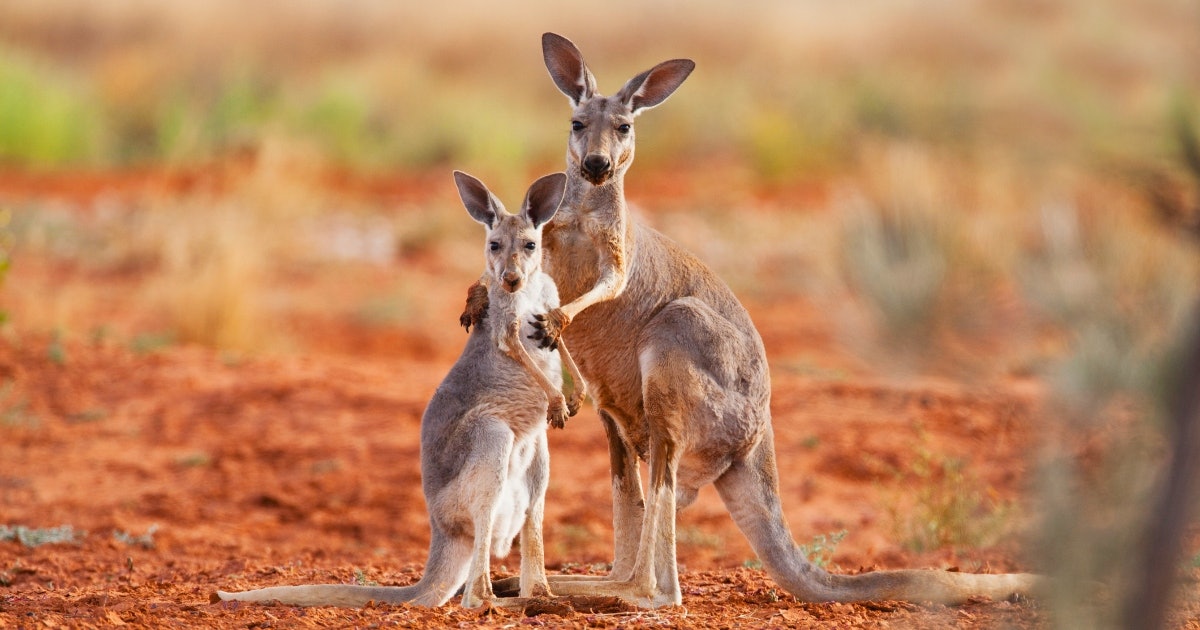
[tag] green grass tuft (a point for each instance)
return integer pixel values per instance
(951, 508)
(360, 578)
(820, 550)
(46, 119)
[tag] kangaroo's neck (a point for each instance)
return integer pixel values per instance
(503, 309)
(582, 199)
(590, 219)
(503, 306)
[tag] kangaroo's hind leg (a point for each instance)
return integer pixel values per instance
(647, 575)
(533, 553)
(701, 387)
(629, 506)
(628, 510)
(480, 484)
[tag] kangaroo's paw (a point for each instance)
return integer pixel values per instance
(556, 413)
(476, 308)
(549, 327)
(574, 403)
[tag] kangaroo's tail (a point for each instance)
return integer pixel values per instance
(750, 490)
(445, 571)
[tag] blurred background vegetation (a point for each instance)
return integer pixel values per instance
(790, 89)
(990, 189)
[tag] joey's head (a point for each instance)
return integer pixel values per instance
(601, 144)
(514, 241)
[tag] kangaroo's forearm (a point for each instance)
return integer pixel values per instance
(611, 284)
(517, 351)
(610, 243)
(579, 386)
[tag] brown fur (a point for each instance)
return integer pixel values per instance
(678, 371)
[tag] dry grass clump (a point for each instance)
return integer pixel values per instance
(1123, 297)
(211, 274)
(921, 253)
(1103, 295)
(945, 506)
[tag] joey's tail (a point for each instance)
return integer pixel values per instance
(750, 490)
(445, 571)
(336, 595)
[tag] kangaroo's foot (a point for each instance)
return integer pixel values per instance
(511, 586)
(632, 592)
(476, 308)
(584, 586)
(507, 587)
(549, 327)
(562, 606)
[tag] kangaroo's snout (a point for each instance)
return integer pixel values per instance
(512, 281)
(596, 168)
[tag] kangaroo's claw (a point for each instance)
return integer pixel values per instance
(548, 328)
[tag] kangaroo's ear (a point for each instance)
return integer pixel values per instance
(565, 63)
(481, 204)
(544, 197)
(654, 85)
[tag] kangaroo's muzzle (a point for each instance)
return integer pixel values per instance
(512, 281)
(596, 168)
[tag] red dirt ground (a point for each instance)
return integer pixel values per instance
(240, 473)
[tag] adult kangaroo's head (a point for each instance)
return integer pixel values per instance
(514, 241)
(601, 144)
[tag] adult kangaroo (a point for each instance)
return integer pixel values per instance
(677, 370)
(484, 459)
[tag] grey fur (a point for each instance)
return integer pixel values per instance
(484, 460)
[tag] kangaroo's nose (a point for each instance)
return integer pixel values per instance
(596, 164)
(512, 280)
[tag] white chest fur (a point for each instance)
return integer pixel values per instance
(537, 296)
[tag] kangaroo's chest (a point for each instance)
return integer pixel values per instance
(571, 258)
(538, 297)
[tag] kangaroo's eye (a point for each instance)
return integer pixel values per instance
(576, 125)
(624, 128)
(530, 246)
(494, 246)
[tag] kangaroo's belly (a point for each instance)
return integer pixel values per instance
(486, 486)
(525, 466)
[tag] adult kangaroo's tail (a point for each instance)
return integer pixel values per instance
(445, 571)
(750, 490)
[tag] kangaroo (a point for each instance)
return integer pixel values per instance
(484, 459)
(678, 370)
